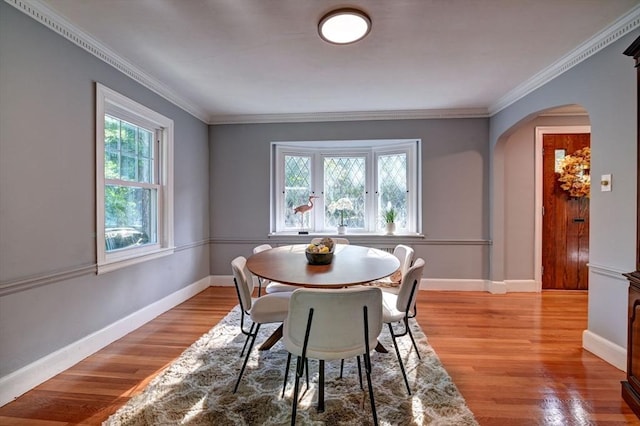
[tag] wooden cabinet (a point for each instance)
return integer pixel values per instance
(631, 387)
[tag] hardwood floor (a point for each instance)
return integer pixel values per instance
(516, 358)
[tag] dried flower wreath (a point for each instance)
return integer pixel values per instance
(574, 175)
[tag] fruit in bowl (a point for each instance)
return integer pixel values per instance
(320, 253)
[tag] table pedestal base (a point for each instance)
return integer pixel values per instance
(272, 340)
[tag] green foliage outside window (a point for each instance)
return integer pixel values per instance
(128, 160)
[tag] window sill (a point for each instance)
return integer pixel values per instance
(354, 238)
(115, 264)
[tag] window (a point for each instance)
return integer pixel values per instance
(350, 183)
(134, 176)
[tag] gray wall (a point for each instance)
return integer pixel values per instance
(605, 85)
(50, 294)
(454, 188)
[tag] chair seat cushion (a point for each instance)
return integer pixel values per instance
(274, 287)
(270, 308)
(392, 281)
(392, 290)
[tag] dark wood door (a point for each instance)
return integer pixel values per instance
(565, 221)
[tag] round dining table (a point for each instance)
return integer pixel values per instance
(351, 265)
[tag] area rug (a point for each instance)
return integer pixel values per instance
(197, 389)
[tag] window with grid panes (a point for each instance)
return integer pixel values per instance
(134, 181)
(366, 177)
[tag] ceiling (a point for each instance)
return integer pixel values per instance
(229, 61)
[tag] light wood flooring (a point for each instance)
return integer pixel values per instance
(516, 358)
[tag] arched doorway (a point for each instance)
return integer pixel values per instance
(517, 196)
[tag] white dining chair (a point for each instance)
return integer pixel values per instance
(270, 308)
(404, 254)
(315, 328)
(390, 284)
(398, 308)
(270, 286)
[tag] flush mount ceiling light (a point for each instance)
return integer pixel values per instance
(344, 26)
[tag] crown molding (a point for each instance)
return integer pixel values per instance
(52, 20)
(415, 114)
(613, 32)
(39, 11)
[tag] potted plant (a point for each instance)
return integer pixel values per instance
(390, 216)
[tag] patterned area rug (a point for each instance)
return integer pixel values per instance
(197, 388)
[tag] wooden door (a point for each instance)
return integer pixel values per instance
(565, 220)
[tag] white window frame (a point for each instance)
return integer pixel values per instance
(370, 149)
(413, 183)
(113, 103)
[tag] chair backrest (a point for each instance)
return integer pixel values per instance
(337, 325)
(244, 282)
(406, 300)
(336, 240)
(258, 280)
(261, 247)
(405, 255)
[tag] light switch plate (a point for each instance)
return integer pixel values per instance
(605, 183)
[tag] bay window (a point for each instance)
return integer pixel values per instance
(350, 183)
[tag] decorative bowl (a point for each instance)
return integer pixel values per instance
(320, 253)
(319, 258)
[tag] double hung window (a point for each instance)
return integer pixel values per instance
(134, 147)
(345, 183)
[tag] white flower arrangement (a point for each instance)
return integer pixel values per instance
(341, 205)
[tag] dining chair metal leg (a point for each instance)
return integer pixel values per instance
(367, 365)
(413, 341)
(286, 373)
(294, 408)
(300, 366)
(246, 358)
(395, 345)
(247, 339)
(359, 371)
(321, 386)
(373, 403)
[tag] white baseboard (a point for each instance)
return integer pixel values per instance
(494, 287)
(522, 286)
(221, 280)
(15, 384)
(614, 354)
(442, 284)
